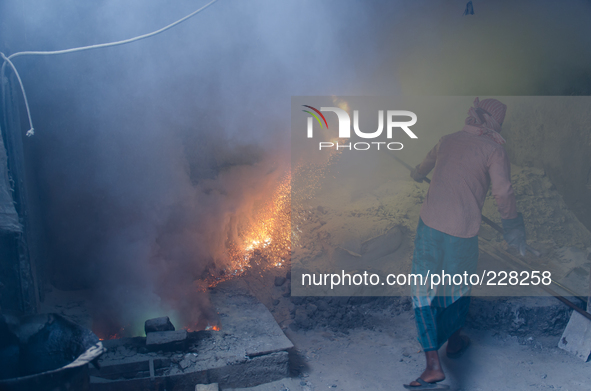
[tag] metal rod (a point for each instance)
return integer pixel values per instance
(545, 288)
(517, 260)
(525, 265)
(406, 165)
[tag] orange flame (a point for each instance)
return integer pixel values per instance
(266, 241)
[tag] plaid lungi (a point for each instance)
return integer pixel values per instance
(441, 311)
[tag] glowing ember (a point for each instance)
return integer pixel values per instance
(267, 241)
(116, 335)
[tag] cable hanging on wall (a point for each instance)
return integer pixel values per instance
(8, 60)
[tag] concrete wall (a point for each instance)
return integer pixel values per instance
(554, 134)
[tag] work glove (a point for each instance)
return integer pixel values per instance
(414, 174)
(514, 233)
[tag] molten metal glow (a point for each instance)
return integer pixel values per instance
(117, 335)
(266, 240)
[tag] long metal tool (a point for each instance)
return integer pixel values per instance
(488, 221)
(518, 261)
(545, 288)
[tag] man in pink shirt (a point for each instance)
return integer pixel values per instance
(465, 164)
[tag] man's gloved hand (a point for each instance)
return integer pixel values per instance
(414, 174)
(514, 233)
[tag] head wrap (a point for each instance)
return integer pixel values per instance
(485, 119)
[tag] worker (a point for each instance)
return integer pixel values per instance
(465, 164)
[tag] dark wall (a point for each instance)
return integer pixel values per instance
(554, 133)
(20, 252)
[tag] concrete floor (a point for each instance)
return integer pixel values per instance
(385, 358)
(384, 354)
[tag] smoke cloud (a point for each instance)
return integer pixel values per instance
(149, 155)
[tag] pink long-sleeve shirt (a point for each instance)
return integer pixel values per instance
(465, 166)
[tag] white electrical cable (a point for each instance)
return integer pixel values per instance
(31, 131)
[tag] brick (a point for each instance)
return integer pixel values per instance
(158, 324)
(207, 387)
(166, 340)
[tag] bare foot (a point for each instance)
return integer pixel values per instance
(430, 376)
(433, 373)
